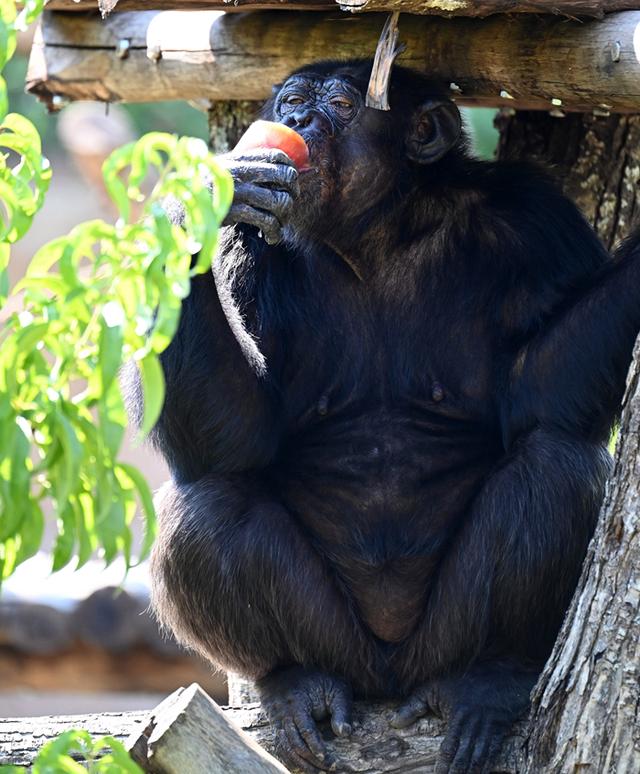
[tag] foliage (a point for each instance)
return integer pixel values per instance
(75, 752)
(90, 301)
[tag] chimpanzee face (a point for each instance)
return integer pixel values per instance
(357, 153)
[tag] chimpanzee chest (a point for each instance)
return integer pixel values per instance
(383, 463)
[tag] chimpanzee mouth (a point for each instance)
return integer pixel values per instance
(315, 143)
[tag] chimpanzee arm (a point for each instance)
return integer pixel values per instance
(572, 376)
(220, 411)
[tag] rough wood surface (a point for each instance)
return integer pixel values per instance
(478, 8)
(188, 732)
(228, 121)
(520, 62)
(374, 747)
(586, 713)
(482, 8)
(595, 158)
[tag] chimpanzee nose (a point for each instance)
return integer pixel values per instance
(307, 118)
(303, 117)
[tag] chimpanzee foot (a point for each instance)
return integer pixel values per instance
(479, 708)
(294, 699)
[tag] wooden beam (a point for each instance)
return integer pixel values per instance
(522, 62)
(374, 746)
(447, 8)
(105, 7)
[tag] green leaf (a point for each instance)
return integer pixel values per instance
(146, 499)
(65, 542)
(153, 391)
(110, 346)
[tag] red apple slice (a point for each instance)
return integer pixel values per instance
(268, 134)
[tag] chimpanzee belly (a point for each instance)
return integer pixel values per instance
(382, 498)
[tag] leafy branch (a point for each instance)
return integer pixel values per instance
(90, 301)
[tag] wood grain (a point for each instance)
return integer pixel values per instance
(520, 62)
(447, 8)
(189, 732)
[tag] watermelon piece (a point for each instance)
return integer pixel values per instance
(268, 134)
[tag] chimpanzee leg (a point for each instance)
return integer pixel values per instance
(236, 579)
(502, 592)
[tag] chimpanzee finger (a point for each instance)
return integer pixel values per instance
(259, 172)
(449, 747)
(308, 731)
(267, 223)
(470, 737)
(292, 760)
(481, 750)
(339, 705)
(279, 203)
(268, 155)
(494, 748)
(415, 707)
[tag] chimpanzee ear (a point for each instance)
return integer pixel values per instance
(435, 128)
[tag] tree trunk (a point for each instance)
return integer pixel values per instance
(228, 121)
(595, 158)
(586, 706)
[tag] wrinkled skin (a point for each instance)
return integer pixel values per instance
(295, 699)
(386, 421)
(265, 186)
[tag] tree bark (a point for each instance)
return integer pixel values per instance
(228, 121)
(586, 707)
(596, 159)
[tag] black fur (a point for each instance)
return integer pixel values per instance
(387, 434)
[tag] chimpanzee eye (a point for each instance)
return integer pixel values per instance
(292, 99)
(341, 103)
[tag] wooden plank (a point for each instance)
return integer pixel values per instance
(521, 62)
(374, 747)
(447, 8)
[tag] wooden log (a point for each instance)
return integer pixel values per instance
(447, 8)
(154, 55)
(189, 732)
(374, 747)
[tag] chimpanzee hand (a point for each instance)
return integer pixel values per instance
(265, 186)
(294, 699)
(479, 708)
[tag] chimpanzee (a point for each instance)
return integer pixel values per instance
(386, 421)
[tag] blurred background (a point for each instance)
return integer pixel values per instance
(84, 642)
